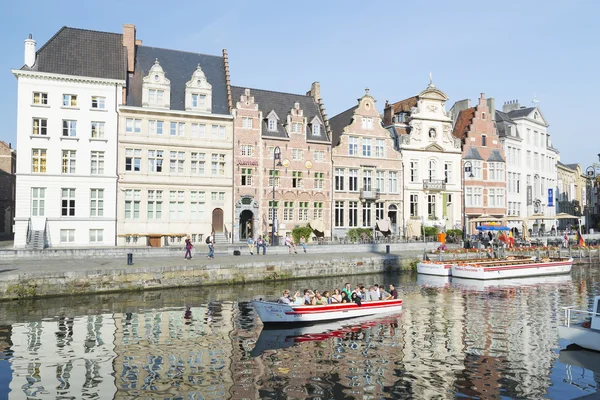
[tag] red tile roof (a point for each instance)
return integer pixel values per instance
(404, 105)
(463, 122)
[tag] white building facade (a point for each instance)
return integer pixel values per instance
(66, 137)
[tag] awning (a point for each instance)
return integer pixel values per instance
(317, 225)
(485, 218)
(565, 216)
(413, 228)
(383, 225)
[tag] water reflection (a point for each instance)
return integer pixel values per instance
(452, 338)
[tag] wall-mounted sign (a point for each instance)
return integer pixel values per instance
(248, 162)
(550, 197)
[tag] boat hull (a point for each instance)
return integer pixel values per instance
(275, 313)
(582, 337)
(474, 271)
(434, 268)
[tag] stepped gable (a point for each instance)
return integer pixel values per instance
(179, 67)
(82, 52)
(281, 104)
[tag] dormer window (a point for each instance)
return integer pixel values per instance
(156, 97)
(156, 88)
(316, 129)
(296, 127)
(272, 124)
(198, 92)
(199, 101)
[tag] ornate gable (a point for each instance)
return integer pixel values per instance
(156, 88)
(198, 92)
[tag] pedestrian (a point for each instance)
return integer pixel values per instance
(290, 244)
(210, 241)
(188, 248)
(260, 242)
(251, 245)
(303, 243)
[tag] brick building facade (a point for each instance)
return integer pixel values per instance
(296, 125)
(8, 168)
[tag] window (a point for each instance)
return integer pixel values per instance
(273, 178)
(246, 122)
(352, 213)
(155, 198)
(366, 214)
(272, 124)
(273, 206)
(339, 213)
(68, 161)
(177, 129)
(468, 197)
(528, 159)
(132, 203)
(448, 172)
(477, 196)
(97, 163)
(536, 161)
(155, 160)
(367, 123)
(69, 100)
(133, 160)
(133, 125)
(536, 141)
(296, 127)
(96, 235)
(67, 235)
(319, 155)
(177, 162)
(339, 179)
(38, 162)
(199, 101)
(38, 202)
(288, 210)
(296, 154)
(97, 130)
(40, 126)
(68, 202)
(380, 148)
(353, 180)
(69, 128)
(476, 170)
(156, 127)
(380, 181)
(414, 205)
(98, 102)
(197, 166)
(318, 210)
(218, 164)
(218, 131)
(316, 129)
(198, 130)
(432, 169)
(296, 179)
(176, 204)
(196, 205)
(156, 97)
(353, 146)
(96, 202)
(496, 171)
(366, 147)
(414, 171)
(247, 150)
(319, 180)
(431, 206)
(246, 176)
(40, 98)
(483, 140)
(393, 182)
(303, 211)
(379, 211)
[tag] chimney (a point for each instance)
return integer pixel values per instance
(29, 51)
(129, 42)
(315, 91)
(510, 106)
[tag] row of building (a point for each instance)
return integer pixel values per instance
(122, 143)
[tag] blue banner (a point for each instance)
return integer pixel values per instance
(550, 197)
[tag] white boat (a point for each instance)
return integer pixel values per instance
(436, 281)
(585, 334)
(274, 313)
(444, 268)
(480, 285)
(512, 269)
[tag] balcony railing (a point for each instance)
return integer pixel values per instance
(434, 184)
(372, 194)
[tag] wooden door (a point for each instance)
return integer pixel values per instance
(217, 220)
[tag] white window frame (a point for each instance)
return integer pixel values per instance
(98, 102)
(96, 202)
(97, 162)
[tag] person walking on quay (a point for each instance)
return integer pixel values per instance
(251, 245)
(303, 243)
(260, 242)
(290, 245)
(210, 241)
(188, 248)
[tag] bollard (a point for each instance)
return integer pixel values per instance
(387, 249)
(129, 258)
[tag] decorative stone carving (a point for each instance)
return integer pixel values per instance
(432, 133)
(432, 108)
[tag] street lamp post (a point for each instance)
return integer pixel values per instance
(590, 174)
(467, 167)
(276, 163)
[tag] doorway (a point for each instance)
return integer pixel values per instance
(217, 220)
(246, 224)
(393, 216)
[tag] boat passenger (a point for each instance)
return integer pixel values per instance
(347, 289)
(373, 295)
(356, 298)
(357, 291)
(336, 297)
(345, 298)
(308, 296)
(286, 298)
(378, 291)
(327, 296)
(318, 300)
(298, 299)
(364, 294)
(393, 293)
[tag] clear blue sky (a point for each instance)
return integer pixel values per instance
(506, 49)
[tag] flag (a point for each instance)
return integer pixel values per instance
(580, 240)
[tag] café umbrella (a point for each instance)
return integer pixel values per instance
(489, 227)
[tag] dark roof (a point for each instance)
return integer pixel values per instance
(179, 67)
(282, 104)
(82, 52)
(495, 156)
(404, 105)
(339, 122)
(502, 119)
(473, 154)
(521, 112)
(463, 122)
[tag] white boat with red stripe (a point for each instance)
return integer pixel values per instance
(514, 269)
(272, 312)
(444, 268)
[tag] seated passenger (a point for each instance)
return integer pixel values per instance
(356, 298)
(308, 296)
(318, 300)
(393, 293)
(298, 299)
(286, 298)
(327, 296)
(373, 295)
(364, 294)
(336, 297)
(345, 298)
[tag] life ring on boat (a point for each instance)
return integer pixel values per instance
(586, 324)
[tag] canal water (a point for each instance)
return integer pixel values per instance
(453, 339)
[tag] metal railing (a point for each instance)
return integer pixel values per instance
(434, 184)
(370, 194)
(578, 317)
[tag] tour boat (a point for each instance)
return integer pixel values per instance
(584, 334)
(444, 268)
(272, 312)
(512, 268)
